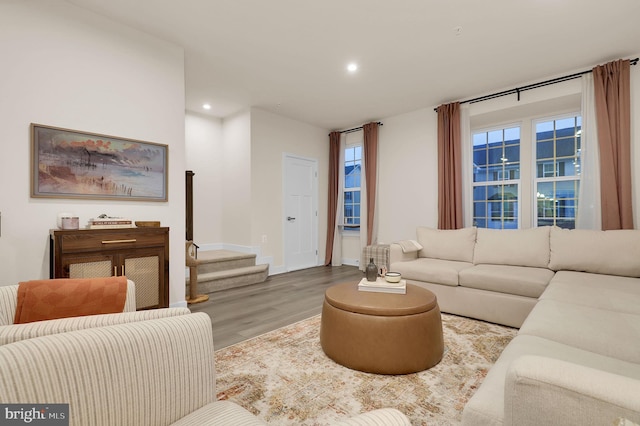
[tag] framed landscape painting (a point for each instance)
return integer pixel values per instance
(72, 164)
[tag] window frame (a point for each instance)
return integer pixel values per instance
(500, 182)
(555, 178)
(527, 184)
(352, 228)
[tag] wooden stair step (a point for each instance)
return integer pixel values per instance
(230, 278)
(220, 260)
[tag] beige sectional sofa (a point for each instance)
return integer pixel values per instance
(576, 357)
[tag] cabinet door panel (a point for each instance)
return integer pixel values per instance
(143, 268)
(88, 266)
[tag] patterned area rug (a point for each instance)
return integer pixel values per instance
(285, 378)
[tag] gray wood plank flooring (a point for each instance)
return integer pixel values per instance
(241, 313)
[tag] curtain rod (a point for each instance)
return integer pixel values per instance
(355, 129)
(517, 90)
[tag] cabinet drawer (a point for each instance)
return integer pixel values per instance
(109, 240)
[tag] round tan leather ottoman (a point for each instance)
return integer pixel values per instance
(381, 333)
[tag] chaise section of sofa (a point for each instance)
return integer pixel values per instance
(576, 358)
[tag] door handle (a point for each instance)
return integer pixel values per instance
(291, 219)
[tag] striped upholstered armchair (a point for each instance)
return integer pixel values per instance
(157, 372)
(10, 332)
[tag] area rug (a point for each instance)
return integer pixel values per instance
(284, 377)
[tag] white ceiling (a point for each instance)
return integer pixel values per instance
(290, 56)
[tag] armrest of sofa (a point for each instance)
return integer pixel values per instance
(9, 301)
(130, 301)
(397, 255)
(16, 332)
(146, 373)
(541, 390)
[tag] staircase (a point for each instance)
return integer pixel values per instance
(223, 269)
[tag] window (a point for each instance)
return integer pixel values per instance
(527, 173)
(496, 174)
(558, 171)
(352, 176)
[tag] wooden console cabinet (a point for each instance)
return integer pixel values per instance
(141, 254)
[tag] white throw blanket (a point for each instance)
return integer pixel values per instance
(409, 246)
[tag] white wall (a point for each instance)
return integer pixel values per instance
(63, 66)
(204, 150)
(408, 175)
(236, 184)
(272, 136)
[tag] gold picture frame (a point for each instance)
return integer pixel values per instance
(73, 164)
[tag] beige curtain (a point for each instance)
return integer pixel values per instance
(613, 105)
(334, 169)
(370, 146)
(449, 167)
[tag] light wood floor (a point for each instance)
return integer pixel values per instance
(240, 313)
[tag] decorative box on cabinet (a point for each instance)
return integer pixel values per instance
(141, 254)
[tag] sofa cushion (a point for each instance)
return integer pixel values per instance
(517, 247)
(487, 404)
(611, 292)
(613, 252)
(608, 333)
(434, 271)
(447, 244)
(519, 280)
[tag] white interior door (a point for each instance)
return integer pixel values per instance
(300, 212)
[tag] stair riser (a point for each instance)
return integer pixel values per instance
(210, 286)
(223, 265)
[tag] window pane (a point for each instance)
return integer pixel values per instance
(565, 126)
(512, 135)
(544, 150)
(557, 203)
(499, 207)
(480, 193)
(348, 155)
(479, 139)
(480, 209)
(495, 155)
(544, 130)
(480, 156)
(480, 174)
(565, 147)
(495, 137)
(357, 150)
(512, 153)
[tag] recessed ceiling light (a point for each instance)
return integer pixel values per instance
(352, 67)
(206, 106)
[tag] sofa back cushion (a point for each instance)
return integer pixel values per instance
(516, 247)
(615, 252)
(447, 244)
